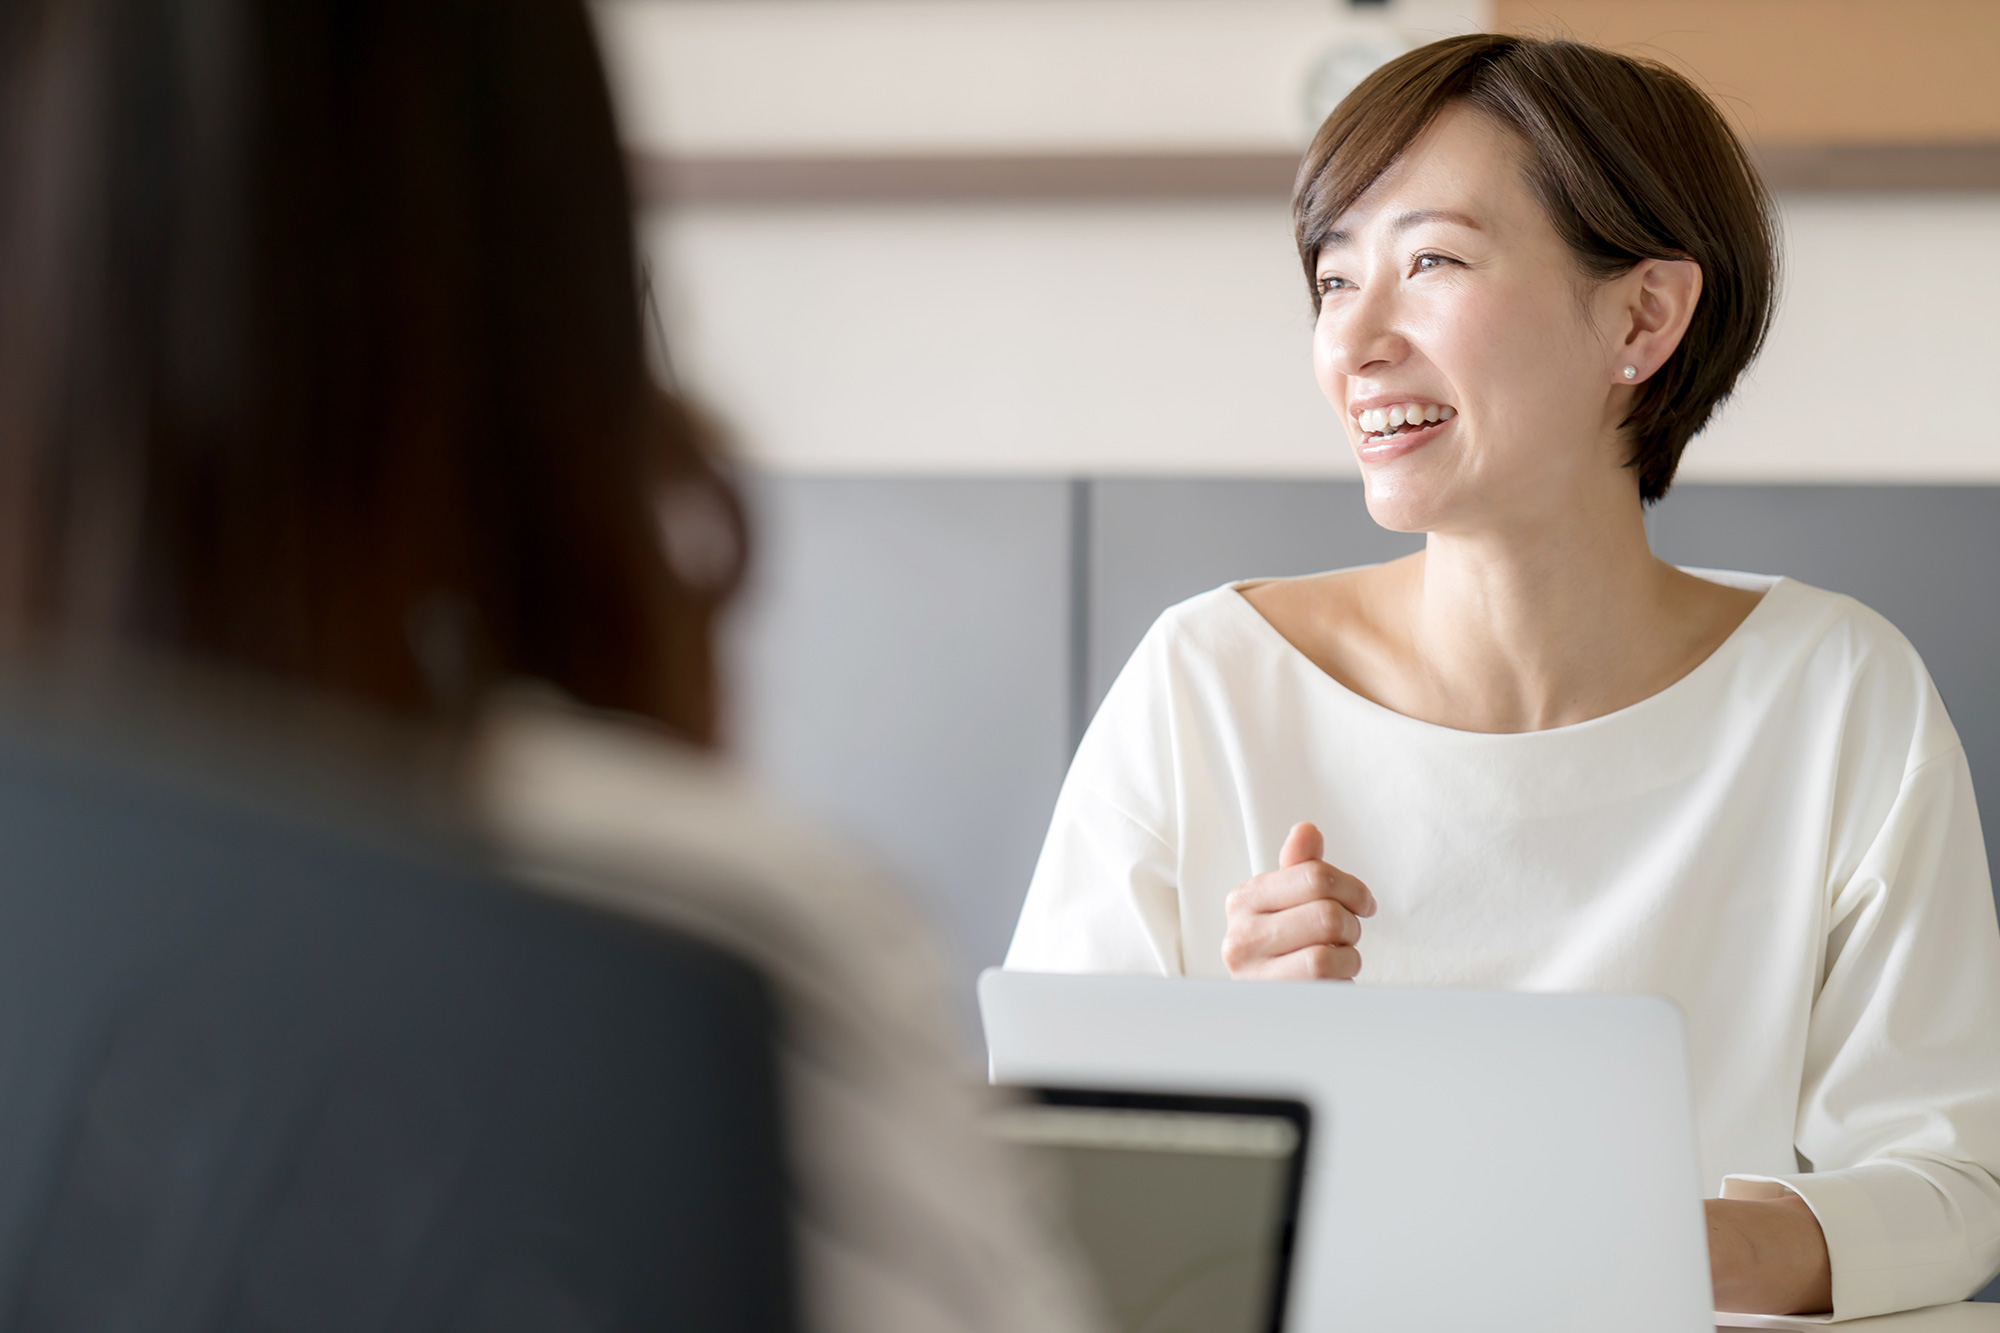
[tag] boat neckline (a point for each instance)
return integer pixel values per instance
(1707, 666)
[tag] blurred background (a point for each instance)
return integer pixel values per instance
(1000, 300)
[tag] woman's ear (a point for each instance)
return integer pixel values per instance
(1660, 300)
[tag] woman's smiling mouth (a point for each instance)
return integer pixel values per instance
(1389, 432)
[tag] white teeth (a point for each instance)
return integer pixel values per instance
(1380, 420)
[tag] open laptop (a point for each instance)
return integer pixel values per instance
(1492, 1161)
(1183, 1209)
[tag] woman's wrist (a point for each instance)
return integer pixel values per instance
(1768, 1256)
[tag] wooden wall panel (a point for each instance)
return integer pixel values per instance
(1810, 71)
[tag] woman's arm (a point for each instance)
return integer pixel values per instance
(1768, 1256)
(1105, 893)
(1103, 898)
(1899, 1103)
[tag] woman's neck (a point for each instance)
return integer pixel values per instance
(1537, 627)
(1550, 623)
(1558, 617)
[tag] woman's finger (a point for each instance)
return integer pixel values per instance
(1311, 881)
(1321, 962)
(1322, 921)
(1302, 844)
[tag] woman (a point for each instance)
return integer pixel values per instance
(1535, 756)
(321, 364)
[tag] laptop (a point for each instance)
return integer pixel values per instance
(1493, 1161)
(1182, 1208)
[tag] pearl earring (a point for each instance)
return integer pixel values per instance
(1631, 372)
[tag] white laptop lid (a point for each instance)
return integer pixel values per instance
(1492, 1161)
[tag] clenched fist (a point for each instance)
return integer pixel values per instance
(1300, 921)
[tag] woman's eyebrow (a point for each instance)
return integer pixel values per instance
(1419, 216)
(1416, 217)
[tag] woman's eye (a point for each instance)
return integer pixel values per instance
(1329, 284)
(1426, 263)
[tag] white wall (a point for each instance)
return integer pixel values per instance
(1158, 339)
(1063, 339)
(1165, 338)
(884, 76)
(1884, 341)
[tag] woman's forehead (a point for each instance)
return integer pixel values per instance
(1464, 168)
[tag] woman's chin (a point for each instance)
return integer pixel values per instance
(1395, 519)
(1407, 477)
(1401, 501)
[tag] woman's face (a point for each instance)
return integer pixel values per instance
(1445, 287)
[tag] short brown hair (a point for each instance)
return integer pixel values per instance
(321, 356)
(1628, 160)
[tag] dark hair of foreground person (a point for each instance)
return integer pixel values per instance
(321, 355)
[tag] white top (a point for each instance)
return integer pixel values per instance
(909, 1217)
(1783, 841)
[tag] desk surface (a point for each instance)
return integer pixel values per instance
(1965, 1317)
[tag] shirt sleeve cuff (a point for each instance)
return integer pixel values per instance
(1864, 1212)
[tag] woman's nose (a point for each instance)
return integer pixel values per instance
(1358, 334)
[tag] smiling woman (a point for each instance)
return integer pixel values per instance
(1624, 160)
(1535, 756)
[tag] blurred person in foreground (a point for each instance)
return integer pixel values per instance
(321, 362)
(1535, 756)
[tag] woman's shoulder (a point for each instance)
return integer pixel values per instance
(1191, 638)
(1826, 650)
(1801, 619)
(1244, 617)
(1200, 648)
(1250, 642)
(1202, 618)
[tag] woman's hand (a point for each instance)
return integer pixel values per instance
(1768, 1256)
(1300, 921)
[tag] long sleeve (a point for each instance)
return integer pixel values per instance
(1104, 897)
(1899, 1109)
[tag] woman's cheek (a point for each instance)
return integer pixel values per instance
(1331, 382)
(1452, 332)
